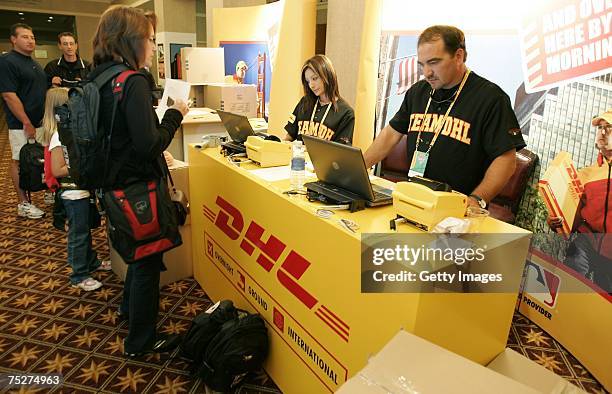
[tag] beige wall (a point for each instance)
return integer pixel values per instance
(353, 41)
(178, 16)
(86, 28)
(66, 7)
(53, 52)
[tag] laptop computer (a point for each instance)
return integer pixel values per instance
(238, 128)
(341, 168)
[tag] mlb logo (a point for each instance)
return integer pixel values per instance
(279, 319)
(541, 284)
(209, 248)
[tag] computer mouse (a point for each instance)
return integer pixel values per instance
(272, 137)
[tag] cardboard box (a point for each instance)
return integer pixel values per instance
(238, 99)
(409, 364)
(178, 261)
(519, 368)
(202, 65)
(561, 189)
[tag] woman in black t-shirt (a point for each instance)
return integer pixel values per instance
(321, 112)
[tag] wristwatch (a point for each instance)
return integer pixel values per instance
(482, 203)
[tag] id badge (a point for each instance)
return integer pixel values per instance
(419, 162)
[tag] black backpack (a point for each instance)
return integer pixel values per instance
(32, 167)
(81, 132)
(203, 328)
(240, 347)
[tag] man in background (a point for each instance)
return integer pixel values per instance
(69, 68)
(23, 85)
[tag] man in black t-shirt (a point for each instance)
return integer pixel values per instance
(23, 86)
(69, 68)
(463, 124)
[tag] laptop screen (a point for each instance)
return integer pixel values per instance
(339, 165)
(237, 126)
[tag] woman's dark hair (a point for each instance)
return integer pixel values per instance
(323, 67)
(121, 35)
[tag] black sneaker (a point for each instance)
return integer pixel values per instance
(165, 343)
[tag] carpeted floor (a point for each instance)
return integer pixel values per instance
(46, 326)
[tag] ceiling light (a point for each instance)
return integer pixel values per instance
(50, 17)
(20, 13)
(49, 20)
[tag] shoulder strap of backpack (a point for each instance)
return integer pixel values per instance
(109, 74)
(118, 85)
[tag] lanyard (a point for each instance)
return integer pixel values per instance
(315, 110)
(439, 124)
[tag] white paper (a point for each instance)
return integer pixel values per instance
(176, 90)
(272, 174)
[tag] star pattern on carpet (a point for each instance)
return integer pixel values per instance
(94, 371)
(53, 305)
(55, 331)
(548, 361)
(58, 363)
(131, 380)
(23, 356)
(172, 386)
(87, 338)
(537, 338)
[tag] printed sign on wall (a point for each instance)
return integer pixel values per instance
(566, 40)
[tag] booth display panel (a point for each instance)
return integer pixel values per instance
(270, 253)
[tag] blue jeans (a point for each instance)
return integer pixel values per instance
(81, 256)
(141, 303)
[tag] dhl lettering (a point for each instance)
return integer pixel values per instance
(448, 123)
(466, 133)
(310, 353)
(292, 268)
(456, 133)
(455, 128)
(222, 220)
(273, 248)
(435, 121)
(296, 265)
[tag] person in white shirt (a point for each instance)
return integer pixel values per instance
(81, 256)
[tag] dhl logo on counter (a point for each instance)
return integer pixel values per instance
(230, 221)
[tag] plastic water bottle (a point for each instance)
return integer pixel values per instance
(298, 166)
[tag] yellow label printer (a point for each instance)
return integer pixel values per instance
(424, 202)
(268, 153)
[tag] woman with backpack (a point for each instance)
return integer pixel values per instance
(126, 36)
(81, 256)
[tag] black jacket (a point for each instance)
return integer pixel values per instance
(138, 138)
(69, 73)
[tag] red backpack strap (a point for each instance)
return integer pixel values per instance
(120, 80)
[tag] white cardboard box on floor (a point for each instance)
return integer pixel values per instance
(178, 261)
(409, 364)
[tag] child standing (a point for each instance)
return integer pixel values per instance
(81, 256)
